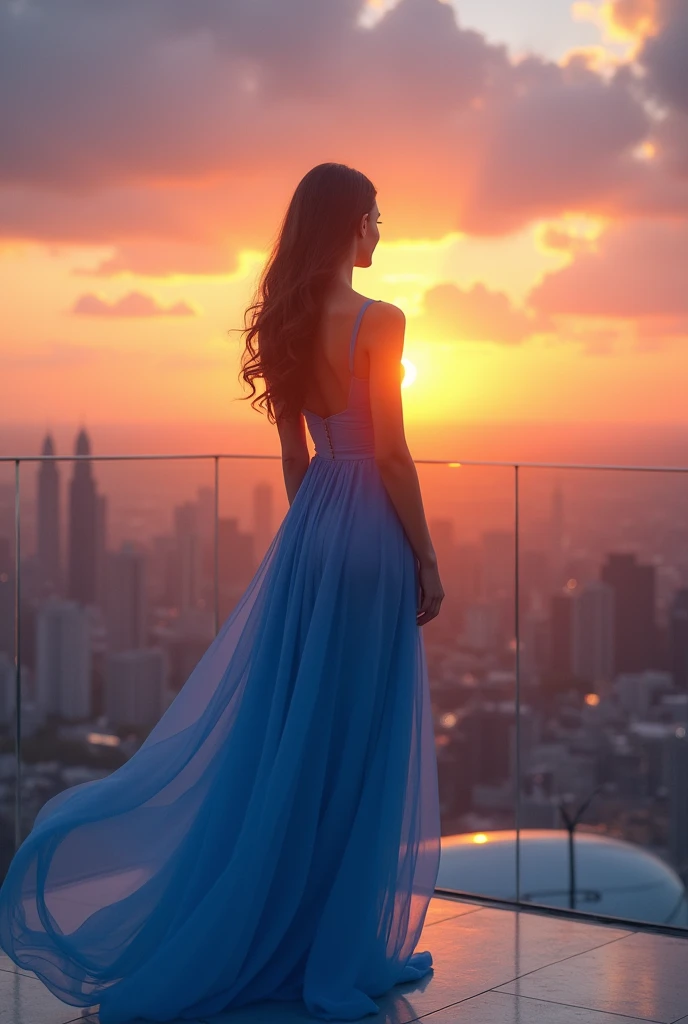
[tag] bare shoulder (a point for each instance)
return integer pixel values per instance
(389, 324)
(388, 313)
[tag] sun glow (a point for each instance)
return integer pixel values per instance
(410, 373)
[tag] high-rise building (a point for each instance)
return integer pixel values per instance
(481, 626)
(101, 546)
(205, 513)
(189, 584)
(635, 645)
(7, 509)
(7, 691)
(592, 646)
(535, 574)
(135, 687)
(125, 599)
(557, 530)
(7, 583)
(498, 565)
(237, 563)
(63, 659)
(48, 541)
(465, 581)
(263, 522)
(84, 532)
(561, 633)
(678, 638)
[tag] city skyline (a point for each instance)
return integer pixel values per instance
(99, 668)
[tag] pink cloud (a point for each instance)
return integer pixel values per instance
(135, 304)
(638, 270)
(479, 314)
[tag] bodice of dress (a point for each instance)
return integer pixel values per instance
(347, 434)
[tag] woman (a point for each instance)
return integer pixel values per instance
(276, 836)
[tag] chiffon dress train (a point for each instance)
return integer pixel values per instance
(276, 836)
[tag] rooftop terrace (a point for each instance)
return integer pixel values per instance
(493, 965)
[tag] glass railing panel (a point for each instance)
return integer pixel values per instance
(117, 604)
(471, 662)
(604, 692)
(252, 504)
(593, 721)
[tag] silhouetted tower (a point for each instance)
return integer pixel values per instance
(556, 537)
(263, 525)
(49, 521)
(592, 647)
(678, 638)
(84, 531)
(634, 612)
(561, 633)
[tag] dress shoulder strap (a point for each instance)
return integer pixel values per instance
(354, 333)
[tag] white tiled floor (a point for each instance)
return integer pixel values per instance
(492, 966)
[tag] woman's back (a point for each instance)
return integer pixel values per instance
(331, 366)
(347, 432)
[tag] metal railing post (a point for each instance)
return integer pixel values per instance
(17, 662)
(216, 547)
(517, 629)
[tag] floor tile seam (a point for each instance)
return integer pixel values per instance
(454, 917)
(496, 988)
(621, 924)
(448, 1006)
(563, 959)
(579, 1006)
(678, 939)
(19, 972)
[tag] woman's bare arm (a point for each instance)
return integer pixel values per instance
(397, 469)
(392, 455)
(295, 456)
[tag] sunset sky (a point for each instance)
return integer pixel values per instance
(531, 161)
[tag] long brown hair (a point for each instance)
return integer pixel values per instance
(315, 236)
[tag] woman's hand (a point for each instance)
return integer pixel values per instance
(431, 592)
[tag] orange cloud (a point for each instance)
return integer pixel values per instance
(637, 270)
(478, 314)
(135, 304)
(632, 17)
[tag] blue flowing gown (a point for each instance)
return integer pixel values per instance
(277, 835)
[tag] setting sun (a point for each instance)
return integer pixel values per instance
(410, 373)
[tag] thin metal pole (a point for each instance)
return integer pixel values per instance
(17, 663)
(216, 542)
(517, 623)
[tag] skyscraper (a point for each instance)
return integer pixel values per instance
(189, 582)
(237, 563)
(84, 532)
(49, 562)
(592, 645)
(7, 582)
(634, 612)
(135, 683)
(263, 524)
(63, 659)
(678, 638)
(125, 599)
(561, 633)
